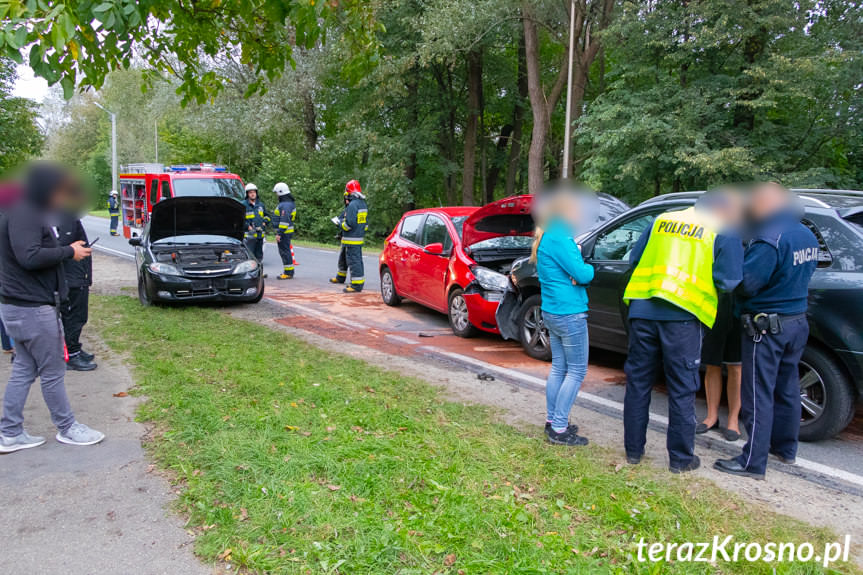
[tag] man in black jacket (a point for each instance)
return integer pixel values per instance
(32, 285)
(79, 278)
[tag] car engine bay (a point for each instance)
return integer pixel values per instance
(197, 256)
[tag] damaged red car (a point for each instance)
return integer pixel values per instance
(457, 260)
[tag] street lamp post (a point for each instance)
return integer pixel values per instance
(568, 128)
(113, 145)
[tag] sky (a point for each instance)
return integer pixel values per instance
(28, 86)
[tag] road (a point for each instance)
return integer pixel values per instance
(410, 329)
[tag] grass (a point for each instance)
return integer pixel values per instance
(295, 460)
(100, 213)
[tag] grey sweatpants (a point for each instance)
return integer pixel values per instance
(38, 352)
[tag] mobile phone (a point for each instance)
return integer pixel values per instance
(93, 243)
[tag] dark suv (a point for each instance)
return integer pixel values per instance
(831, 371)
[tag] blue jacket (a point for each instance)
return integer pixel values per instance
(558, 263)
(777, 267)
(727, 272)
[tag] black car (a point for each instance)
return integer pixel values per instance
(831, 370)
(192, 250)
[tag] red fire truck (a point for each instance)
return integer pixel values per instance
(142, 185)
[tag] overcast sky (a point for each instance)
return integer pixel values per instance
(28, 86)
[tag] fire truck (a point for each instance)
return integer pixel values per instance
(143, 185)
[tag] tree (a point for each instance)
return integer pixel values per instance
(21, 137)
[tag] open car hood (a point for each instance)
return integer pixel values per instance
(194, 215)
(507, 217)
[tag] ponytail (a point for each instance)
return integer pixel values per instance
(537, 238)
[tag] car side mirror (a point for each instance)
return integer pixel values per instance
(136, 241)
(435, 249)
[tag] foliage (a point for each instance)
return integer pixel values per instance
(21, 137)
(294, 460)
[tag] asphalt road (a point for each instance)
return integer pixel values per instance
(412, 329)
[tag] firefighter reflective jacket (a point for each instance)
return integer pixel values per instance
(355, 222)
(113, 206)
(256, 217)
(284, 216)
(677, 264)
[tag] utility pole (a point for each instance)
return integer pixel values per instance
(568, 128)
(113, 145)
(156, 137)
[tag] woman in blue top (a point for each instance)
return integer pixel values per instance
(563, 276)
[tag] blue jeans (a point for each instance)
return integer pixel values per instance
(569, 351)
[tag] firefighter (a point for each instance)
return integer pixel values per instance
(284, 216)
(354, 222)
(114, 211)
(257, 218)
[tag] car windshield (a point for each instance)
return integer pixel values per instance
(196, 239)
(220, 187)
(504, 243)
(458, 222)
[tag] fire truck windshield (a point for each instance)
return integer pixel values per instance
(220, 187)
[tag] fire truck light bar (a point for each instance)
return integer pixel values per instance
(196, 168)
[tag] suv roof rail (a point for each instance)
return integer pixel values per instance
(826, 192)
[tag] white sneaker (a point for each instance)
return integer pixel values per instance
(22, 441)
(80, 434)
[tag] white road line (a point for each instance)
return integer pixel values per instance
(827, 470)
(126, 255)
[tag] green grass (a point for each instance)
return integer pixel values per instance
(100, 213)
(291, 459)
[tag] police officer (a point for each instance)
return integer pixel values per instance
(283, 218)
(679, 264)
(354, 223)
(778, 264)
(114, 211)
(257, 218)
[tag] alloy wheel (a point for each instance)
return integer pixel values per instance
(813, 393)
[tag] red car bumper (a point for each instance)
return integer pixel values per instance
(481, 312)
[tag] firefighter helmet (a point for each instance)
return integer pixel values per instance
(353, 187)
(250, 187)
(113, 193)
(281, 189)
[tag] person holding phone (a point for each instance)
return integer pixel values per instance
(75, 310)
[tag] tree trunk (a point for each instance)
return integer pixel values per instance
(517, 121)
(411, 167)
(536, 155)
(474, 105)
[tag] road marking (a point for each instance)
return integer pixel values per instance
(401, 339)
(810, 465)
(126, 255)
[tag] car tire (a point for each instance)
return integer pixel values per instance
(260, 295)
(143, 297)
(534, 334)
(827, 398)
(388, 288)
(459, 320)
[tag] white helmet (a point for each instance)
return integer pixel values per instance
(113, 193)
(282, 189)
(250, 187)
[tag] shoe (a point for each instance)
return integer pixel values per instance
(78, 363)
(352, 289)
(337, 280)
(783, 459)
(694, 464)
(80, 434)
(566, 438)
(21, 441)
(86, 356)
(571, 427)
(633, 459)
(734, 468)
(730, 434)
(285, 277)
(702, 427)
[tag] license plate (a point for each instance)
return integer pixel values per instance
(200, 284)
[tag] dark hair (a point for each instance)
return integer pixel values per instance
(43, 181)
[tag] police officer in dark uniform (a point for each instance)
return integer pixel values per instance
(778, 264)
(114, 211)
(75, 310)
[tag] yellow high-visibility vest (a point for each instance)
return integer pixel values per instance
(677, 264)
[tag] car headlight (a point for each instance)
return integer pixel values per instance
(164, 269)
(246, 267)
(490, 279)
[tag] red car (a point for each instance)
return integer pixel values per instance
(457, 260)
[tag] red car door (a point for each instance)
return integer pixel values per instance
(405, 255)
(432, 264)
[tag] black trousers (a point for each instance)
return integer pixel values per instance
(75, 313)
(770, 393)
(115, 219)
(351, 258)
(256, 246)
(674, 348)
(286, 255)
